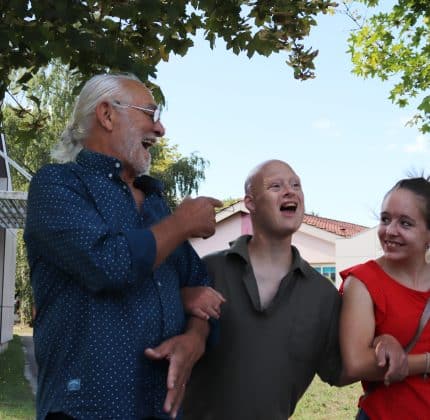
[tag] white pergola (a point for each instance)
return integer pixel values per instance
(13, 209)
(13, 204)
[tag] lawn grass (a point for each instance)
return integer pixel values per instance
(16, 398)
(325, 402)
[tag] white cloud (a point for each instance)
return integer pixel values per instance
(323, 124)
(326, 125)
(392, 146)
(421, 145)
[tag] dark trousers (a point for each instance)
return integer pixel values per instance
(361, 415)
(62, 416)
(58, 416)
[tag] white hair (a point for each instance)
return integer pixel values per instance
(95, 90)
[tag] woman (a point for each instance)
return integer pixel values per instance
(388, 296)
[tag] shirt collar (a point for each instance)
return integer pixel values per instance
(148, 184)
(240, 247)
(98, 162)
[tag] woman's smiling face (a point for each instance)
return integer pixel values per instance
(402, 230)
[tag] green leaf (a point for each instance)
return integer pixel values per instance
(395, 46)
(25, 78)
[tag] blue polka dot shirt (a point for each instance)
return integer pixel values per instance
(99, 302)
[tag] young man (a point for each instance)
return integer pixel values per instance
(279, 324)
(107, 263)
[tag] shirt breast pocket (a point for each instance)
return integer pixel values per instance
(306, 337)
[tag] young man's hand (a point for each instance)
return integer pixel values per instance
(202, 302)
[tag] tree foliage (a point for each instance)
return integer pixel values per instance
(181, 175)
(94, 36)
(34, 123)
(396, 45)
(227, 202)
(32, 126)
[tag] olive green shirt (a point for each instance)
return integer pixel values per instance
(265, 358)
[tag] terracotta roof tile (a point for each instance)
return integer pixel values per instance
(334, 226)
(337, 227)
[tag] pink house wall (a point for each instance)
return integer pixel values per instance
(226, 231)
(246, 224)
(313, 249)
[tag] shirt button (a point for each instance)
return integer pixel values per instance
(124, 187)
(117, 165)
(110, 175)
(159, 283)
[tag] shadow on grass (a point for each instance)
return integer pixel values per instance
(16, 398)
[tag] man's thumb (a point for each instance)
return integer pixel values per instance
(153, 354)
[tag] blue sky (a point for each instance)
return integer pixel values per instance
(340, 133)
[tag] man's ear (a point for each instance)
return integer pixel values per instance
(249, 202)
(104, 115)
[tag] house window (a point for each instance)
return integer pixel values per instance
(328, 271)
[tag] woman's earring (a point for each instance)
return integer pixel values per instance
(427, 255)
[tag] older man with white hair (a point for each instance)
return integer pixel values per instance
(108, 261)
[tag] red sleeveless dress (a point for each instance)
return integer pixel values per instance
(398, 311)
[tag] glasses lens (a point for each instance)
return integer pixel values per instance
(157, 115)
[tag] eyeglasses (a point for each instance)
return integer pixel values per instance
(154, 113)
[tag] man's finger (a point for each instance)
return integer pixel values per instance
(168, 402)
(173, 400)
(213, 313)
(175, 388)
(215, 202)
(389, 376)
(178, 400)
(152, 354)
(156, 353)
(173, 373)
(218, 295)
(199, 313)
(381, 356)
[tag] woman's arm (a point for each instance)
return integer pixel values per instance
(363, 357)
(419, 364)
(366, 357)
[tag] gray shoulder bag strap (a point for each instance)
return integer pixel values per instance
(423, 321)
